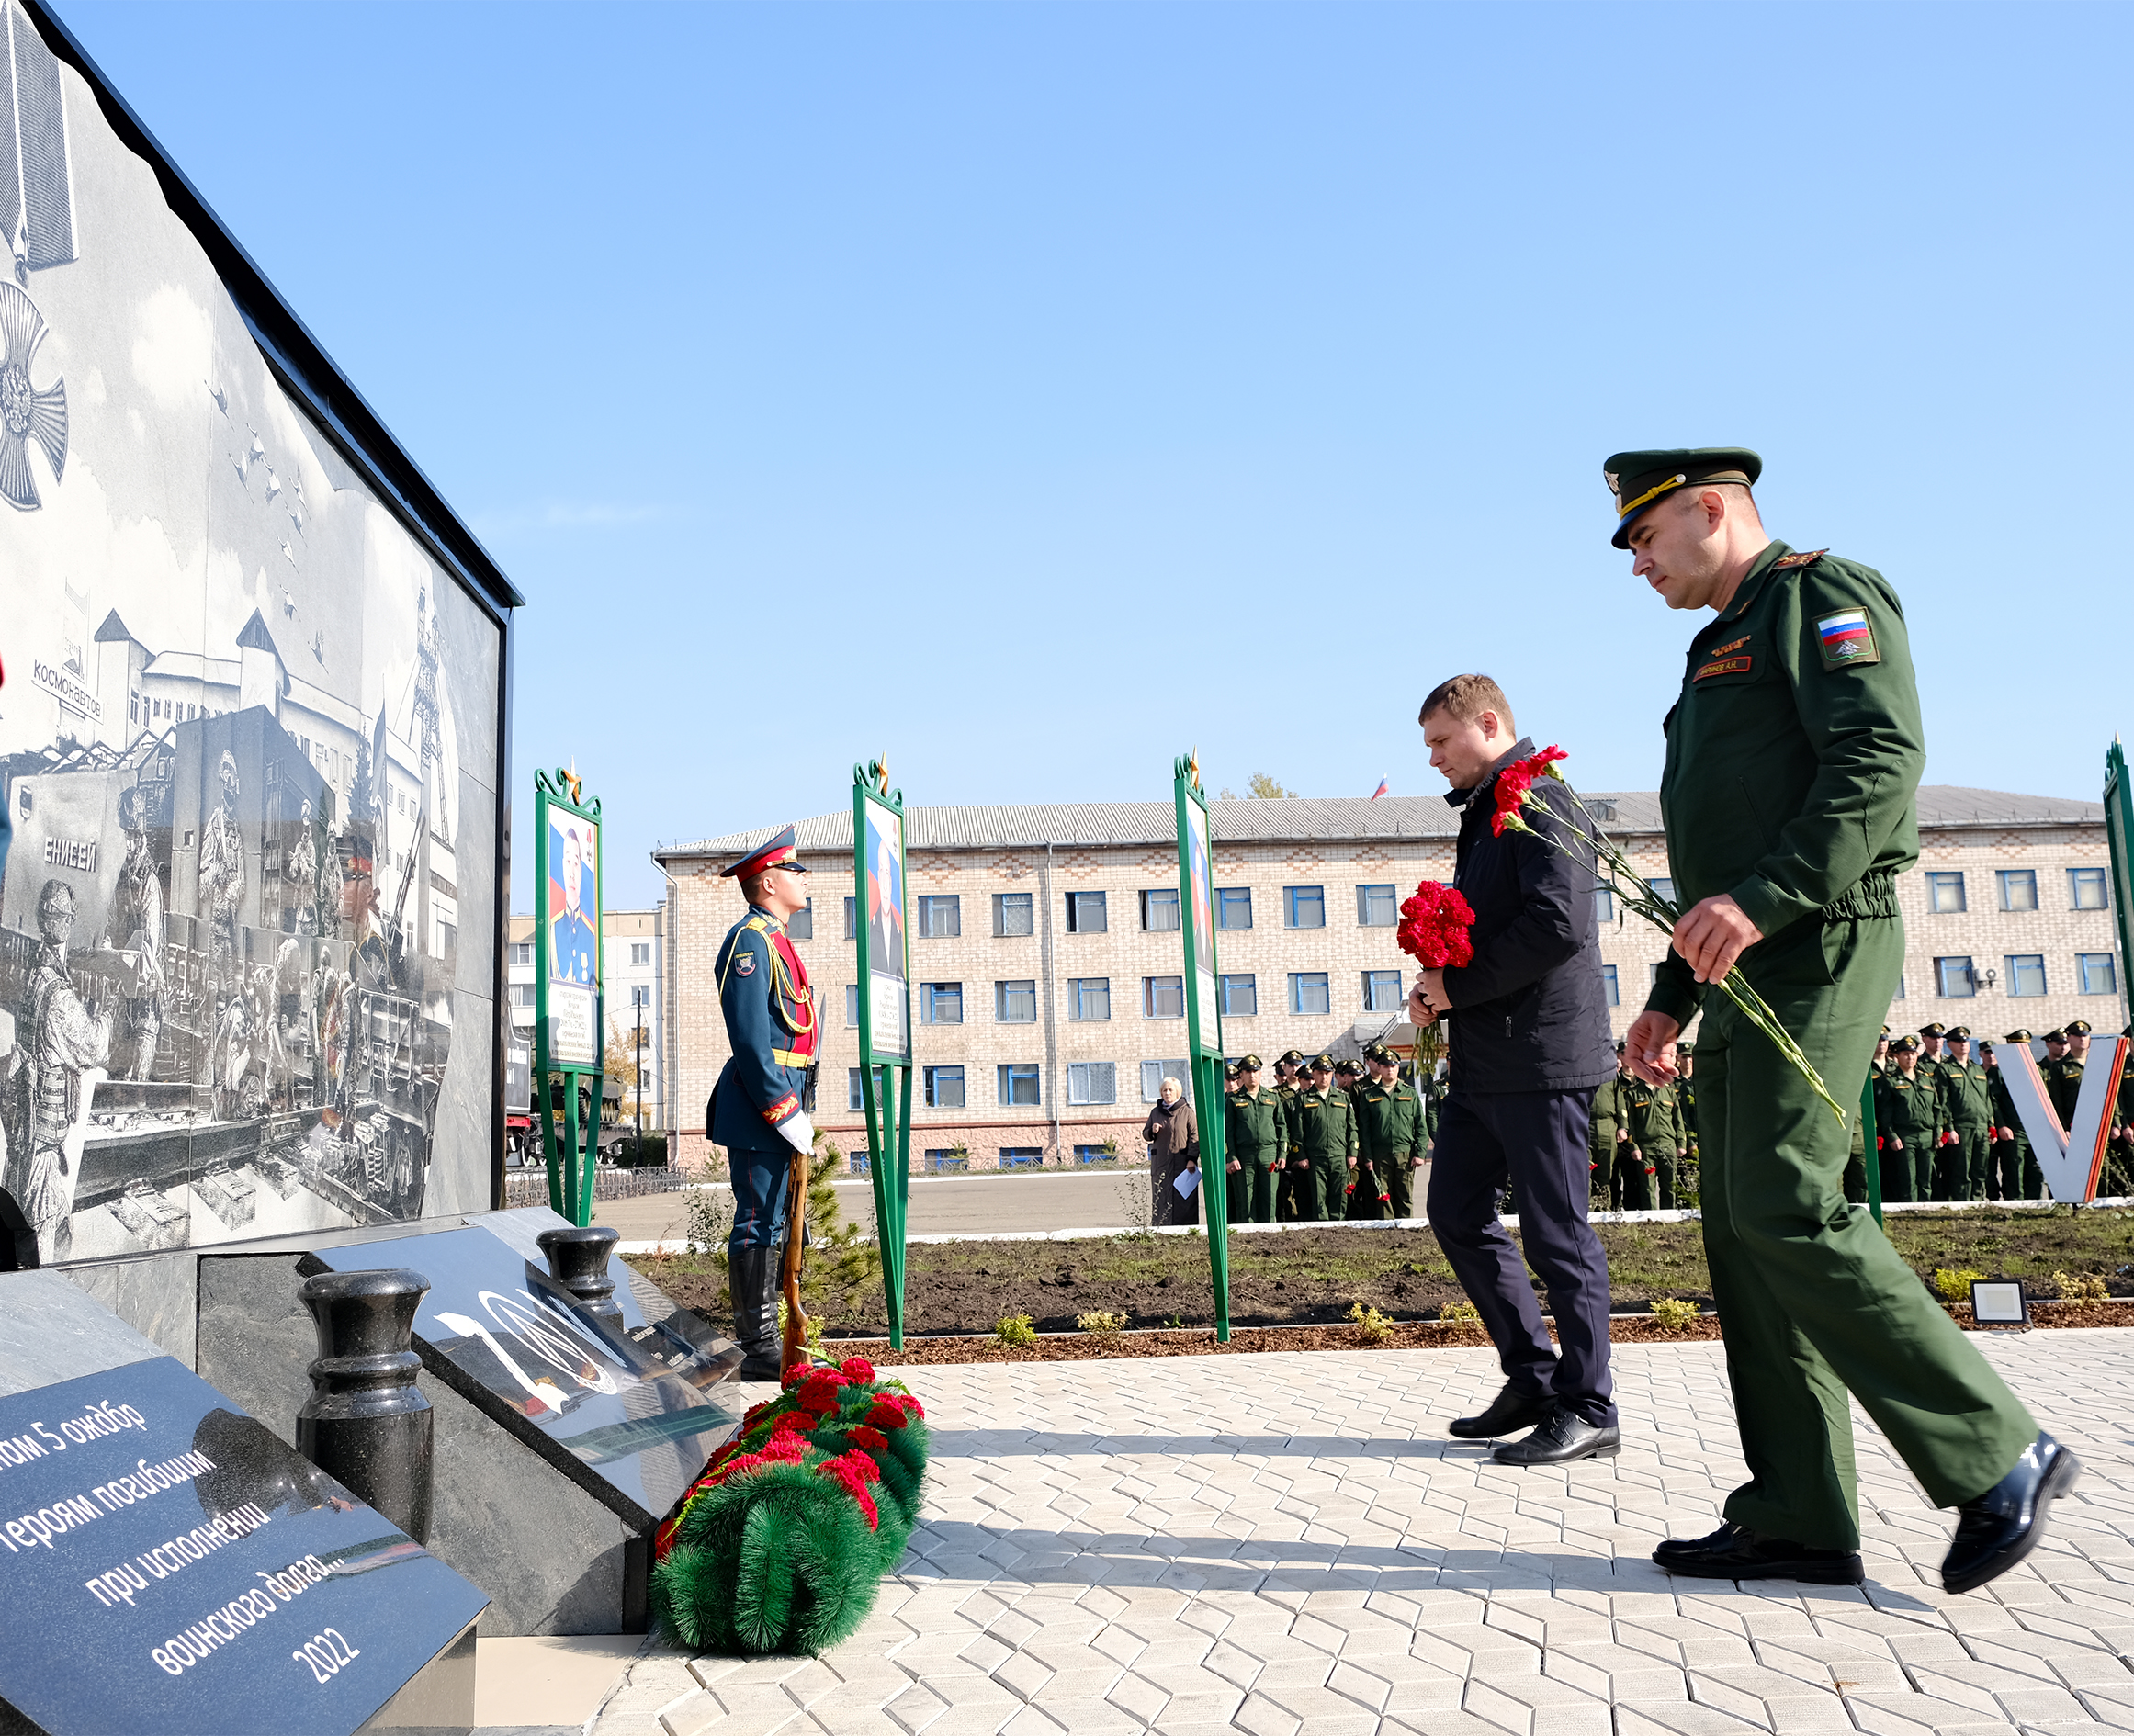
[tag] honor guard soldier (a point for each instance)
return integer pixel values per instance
(756, 1112)
(1390, 1131)
(1258, 1142)
(1790, 806)
(1323, 1135)
(1967, 1098)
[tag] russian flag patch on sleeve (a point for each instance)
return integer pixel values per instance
(1845, 637)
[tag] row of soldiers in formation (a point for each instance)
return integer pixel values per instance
(1643, 1137)
(1946, 1125)
(1328, 1139)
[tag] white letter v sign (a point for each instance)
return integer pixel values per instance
(2070, 1157)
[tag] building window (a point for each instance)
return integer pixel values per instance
(1089, 998)
(1022, 1156)
(1154, 1073)
(799, 926)
(1233, 906)
(1376, 907)
(1663, 888)
(1240, 996)
(1652, 975)
(1953, 979)
(947, 1161)
(1382, 991)
(940, 1003)
(1092, 1082)
(2018, 889)
(1945, 892)
(851, 918)
(2098, 972)
(1303, 907)
(1012, 914)
(2026, 973)
(522, 952)
(1900, 994)
(941, 916)
(1608, 986)
(640, 994)
(1307, 992)
(945, 1088)
(855, 1089)
(2086, 888)
(1093, 1154)
(1604, 904)
(852, 1006)
(641, 951)
(1085, 913)
(1015, 1003)
(1158, 912)
(1017, 1085)
(1163, 998)
(522, 993)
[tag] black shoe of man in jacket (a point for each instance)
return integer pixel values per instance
(1563, 1436)
(1510, 1410)
(1733, 1552)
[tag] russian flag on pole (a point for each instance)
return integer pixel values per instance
(1379, 791)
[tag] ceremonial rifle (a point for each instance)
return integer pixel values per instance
(794, 1349)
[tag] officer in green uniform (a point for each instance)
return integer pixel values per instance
(1652, 1116)
(1322, 1131)
(1287, 1083)
(2015, 1173)
(1967, 1100)
(1794, 752)
(1608, 1129)
(2062, 1076)
(1359, 1198)
(1257, 1141)
(1389, 1129)
(1908, 1123)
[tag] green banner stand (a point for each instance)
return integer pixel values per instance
(567, 1013)
(2119, 835)
(880, 925)
(1204, 1021)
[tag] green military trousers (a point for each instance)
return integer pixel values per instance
(1323, 1197)
(1606, 1188)
(1814, 1300)
(1252, 1188)
(1400, 1185)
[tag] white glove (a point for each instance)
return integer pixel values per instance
(798, 1132)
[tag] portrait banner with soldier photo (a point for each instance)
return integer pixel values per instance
(885, 1007)
(571, 939)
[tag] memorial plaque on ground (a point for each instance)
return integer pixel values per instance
(622, 1405)
(168, 1565)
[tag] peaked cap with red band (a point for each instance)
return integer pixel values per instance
(774, 853)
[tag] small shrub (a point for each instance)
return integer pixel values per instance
(2085, 1290)
(1101, 1323)
(1011, 1332)
(1673, 1313)
(1372, 1326)
(1954, 1285)
(813, 1338)
(1463, 1311)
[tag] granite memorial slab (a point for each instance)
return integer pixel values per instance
(169, 1565)
(626, 1406)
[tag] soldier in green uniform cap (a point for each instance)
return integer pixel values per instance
(1794, 752)
(1909, 1123)
(2063, 1074)
(1322, 1131)
(1608, 1129)
(1359, 1198)
(1653, 1117)
(1967, 1099)
(1389, 1130)
(1257, 1141)
(2015, 1174)
(1287, 1083)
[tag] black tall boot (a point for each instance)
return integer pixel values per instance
(752, 1277)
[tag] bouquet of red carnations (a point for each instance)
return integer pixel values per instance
(1514, 787)
(1433, 927)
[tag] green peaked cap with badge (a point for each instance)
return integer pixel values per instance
(1637, 480)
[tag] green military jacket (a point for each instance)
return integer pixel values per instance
(1389, 1121)
(1608, 1111)
(1322, 1128)
(1259, 1125)
(1967, 1096)
(2005, 1114)
(1794, 756)
(1909, 1110)
(1653, 1116)
(2064, 1085)
(1288, 1093)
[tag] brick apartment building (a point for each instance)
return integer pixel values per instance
(1047, 1003)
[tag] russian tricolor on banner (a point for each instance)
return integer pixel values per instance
(1379, 791)
(1844, 634)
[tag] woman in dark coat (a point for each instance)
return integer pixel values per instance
(1174, 1147)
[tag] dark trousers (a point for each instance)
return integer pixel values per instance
(1539, 1141)
(760, 1191)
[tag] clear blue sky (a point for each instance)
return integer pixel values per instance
(1033, 391)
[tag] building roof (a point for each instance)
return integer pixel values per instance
(1288, 819)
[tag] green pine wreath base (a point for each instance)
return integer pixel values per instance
(780, 1558)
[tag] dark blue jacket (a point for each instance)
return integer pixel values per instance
(769, 1016)
(1530, 1013)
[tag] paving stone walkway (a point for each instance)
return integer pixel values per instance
(1288, 1545)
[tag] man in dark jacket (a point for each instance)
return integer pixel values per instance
(1529, 1045)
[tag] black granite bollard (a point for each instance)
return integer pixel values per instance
(365, 1424)
(578, 1260)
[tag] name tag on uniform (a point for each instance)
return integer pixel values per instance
(1723, 666)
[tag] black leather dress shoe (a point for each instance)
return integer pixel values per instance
(1510, 1410)
(1996, 1530)
(1733, 1552)
(1563, 1436)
